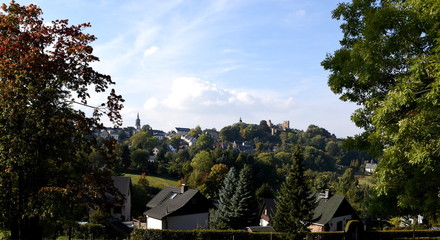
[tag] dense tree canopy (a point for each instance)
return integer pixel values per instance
(295, 201)
(44, 141)
(389, 65)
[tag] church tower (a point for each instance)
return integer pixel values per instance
(138, 123)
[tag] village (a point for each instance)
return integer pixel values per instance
(184, 208)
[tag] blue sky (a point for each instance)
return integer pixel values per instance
(186, 63)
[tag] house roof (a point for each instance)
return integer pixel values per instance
(122, 184)
(269, 204)
(168, 201)
(326, 209)
(180, 129)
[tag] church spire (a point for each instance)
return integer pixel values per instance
(138, 123)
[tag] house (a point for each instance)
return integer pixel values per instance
(181, 131)
(122, 210)
(159, 134)
(178, 208)
(330, 214)
(242, 146)
(188, 139)
(370, 167)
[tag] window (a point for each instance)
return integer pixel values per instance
(173, 196)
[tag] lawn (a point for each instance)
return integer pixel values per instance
(154, 181)
(365, 179)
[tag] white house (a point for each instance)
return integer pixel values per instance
(178, 209)
(370, 167)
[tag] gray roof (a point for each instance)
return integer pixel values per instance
(168, 200)
(326, 209)
(122, 184)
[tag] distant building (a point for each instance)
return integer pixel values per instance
(138, 123)
(370, 167)
(181, 131)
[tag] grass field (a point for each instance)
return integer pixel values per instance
(365, 179)
(156, 182)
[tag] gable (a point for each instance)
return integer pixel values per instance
(335, 206)
(172, 201)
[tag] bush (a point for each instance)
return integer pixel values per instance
(151, 234)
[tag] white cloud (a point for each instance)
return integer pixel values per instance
(204, 99)
(151, 103)
(151, 50)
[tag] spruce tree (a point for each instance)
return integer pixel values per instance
(295, 201)
(244, 203)
(221, 219)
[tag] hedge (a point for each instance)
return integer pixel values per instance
(400, 234)
(339, 235)
(152, 234)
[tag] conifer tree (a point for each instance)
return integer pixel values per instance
(295, 202)
(244, 204)
(221, 219)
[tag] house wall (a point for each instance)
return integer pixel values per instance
(263, 222)
(333, 223)
(316, 228)
(153, 223)
(188, 222)
(126, 210)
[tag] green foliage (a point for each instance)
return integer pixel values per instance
(295, 201)
(195, 132)
(388, 64)
(205, 142)
(357, 196)
(143, 234)
(140, 196)
(99, 216)
(143, 140)
(139, 158)
(244, 204)
(215, 179)
(201, 165)
(222, 219)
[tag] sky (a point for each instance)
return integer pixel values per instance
(183, 63)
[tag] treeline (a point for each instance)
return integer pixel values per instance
(205, 164)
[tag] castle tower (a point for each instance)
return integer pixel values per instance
(138, 123)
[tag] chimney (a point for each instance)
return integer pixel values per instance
(324, 195)
(183, 188)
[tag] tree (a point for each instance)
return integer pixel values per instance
(201, 165)
(44, 140)
(195, 132)
(215, 179)
(244, 205)
(139, 158)
(295, 201)
(222, 217)
(205, 142)
(174, 141)
(388, 64)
